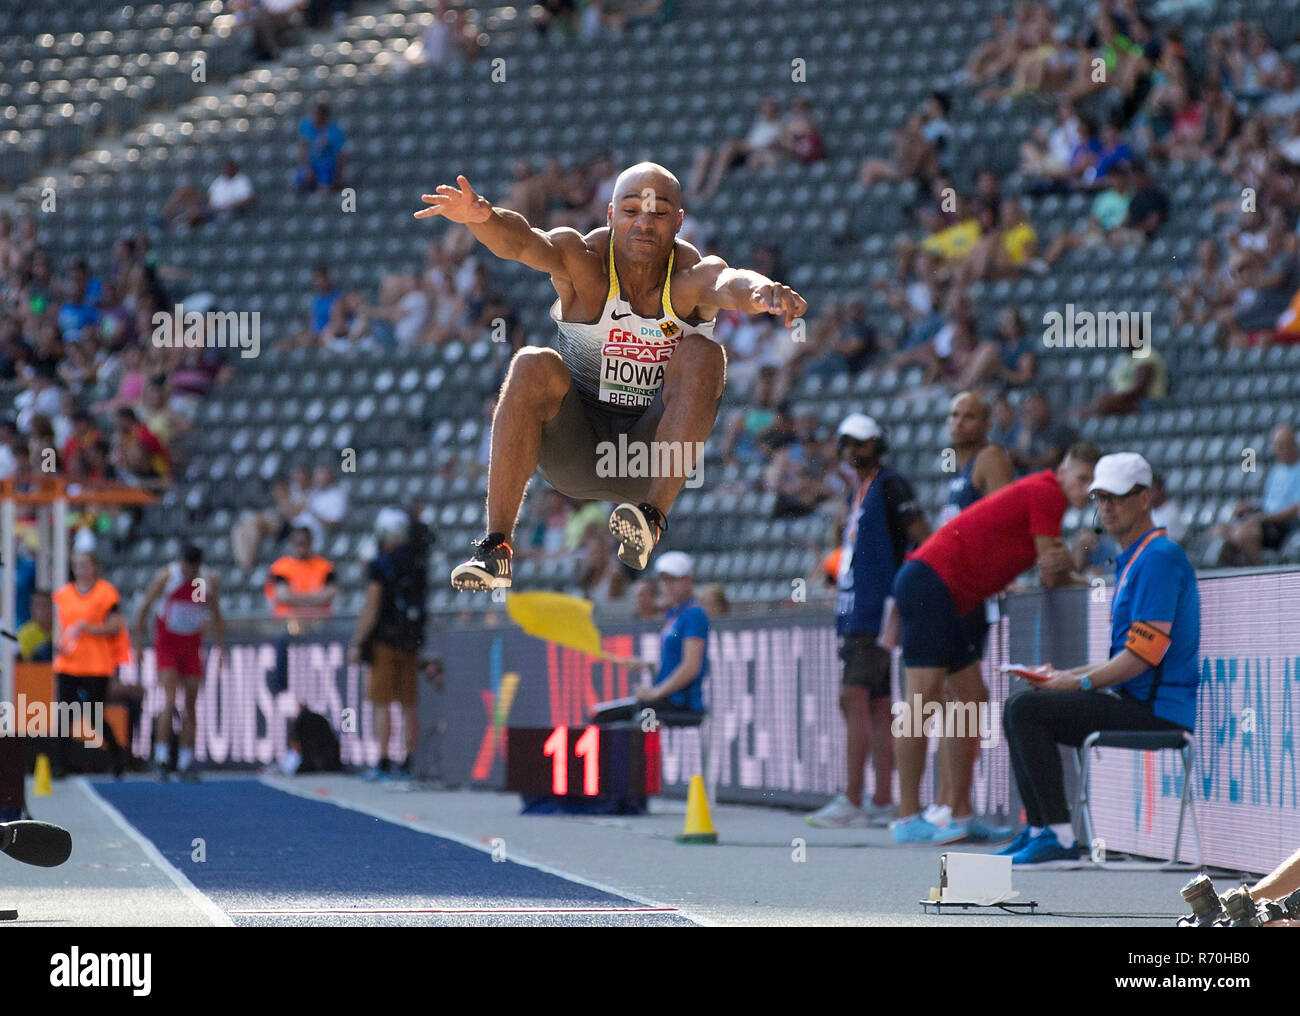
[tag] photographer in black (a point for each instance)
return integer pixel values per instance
(390, 631)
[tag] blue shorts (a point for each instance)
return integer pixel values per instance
(933, 633)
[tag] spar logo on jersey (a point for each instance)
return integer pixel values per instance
(638, 352)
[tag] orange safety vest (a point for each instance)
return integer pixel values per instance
(89, 655)
(303, 577)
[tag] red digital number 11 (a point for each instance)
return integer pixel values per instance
(587, 748)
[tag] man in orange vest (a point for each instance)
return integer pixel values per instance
(93, 641)
(301, 584)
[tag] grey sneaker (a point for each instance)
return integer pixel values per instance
(840, 813)
(880, 815)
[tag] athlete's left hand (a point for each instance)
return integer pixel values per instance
(645, 693)
(778, 299)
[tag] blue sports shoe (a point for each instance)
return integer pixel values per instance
(1043, 848)
(951, 832)
(914, 830)
(979, 831)
(1015, 846)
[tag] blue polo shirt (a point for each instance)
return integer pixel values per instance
(685, 621)
(1161, 587)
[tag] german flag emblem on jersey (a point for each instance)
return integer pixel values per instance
(669, 329)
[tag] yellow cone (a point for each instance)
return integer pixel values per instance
(699, 823)
(43, 786)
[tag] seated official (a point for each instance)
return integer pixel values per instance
(678, 689)
(1148, 683)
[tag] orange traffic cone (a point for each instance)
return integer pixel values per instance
(699, 824)
(43, 785)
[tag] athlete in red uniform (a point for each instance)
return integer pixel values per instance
(188, 601)
(940, 593)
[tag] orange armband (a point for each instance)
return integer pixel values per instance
(1148, 643)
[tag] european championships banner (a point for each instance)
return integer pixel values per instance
(777, 735)
(1247, 712)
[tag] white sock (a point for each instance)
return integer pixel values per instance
(186, 758)
(160, 753)
(1064, 833)
(938, 814)
(1034, 830)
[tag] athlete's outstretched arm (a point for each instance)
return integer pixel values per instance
(156, 586)
(505, 233)
(711, 283)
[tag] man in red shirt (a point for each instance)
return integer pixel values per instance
(940, 592)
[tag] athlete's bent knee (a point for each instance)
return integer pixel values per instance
(537, 375)
(702, 359)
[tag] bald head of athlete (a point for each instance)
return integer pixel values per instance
(968, 420)
(645, 213)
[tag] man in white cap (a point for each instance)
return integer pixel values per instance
(684, 654)
(1149, 681)
(390, 633)
(883, 520)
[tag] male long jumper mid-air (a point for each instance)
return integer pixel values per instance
(635, 358)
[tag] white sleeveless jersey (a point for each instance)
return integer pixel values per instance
(180, 614)
(618, 361)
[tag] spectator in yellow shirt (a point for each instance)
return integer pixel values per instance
(1005, 247)
(34, 637)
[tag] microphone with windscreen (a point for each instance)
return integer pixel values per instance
(40, 843)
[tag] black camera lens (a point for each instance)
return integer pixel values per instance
(1241, 909)
(1204, 901)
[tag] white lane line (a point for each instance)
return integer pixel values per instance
(369, 911)
(482, 848)
(209, 909)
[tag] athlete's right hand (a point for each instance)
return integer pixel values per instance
(458, 205)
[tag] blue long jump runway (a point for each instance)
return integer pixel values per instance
(274, 858)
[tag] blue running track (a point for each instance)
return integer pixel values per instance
(268, 850)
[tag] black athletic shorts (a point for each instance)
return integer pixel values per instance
(866, 665)
(933, 633)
